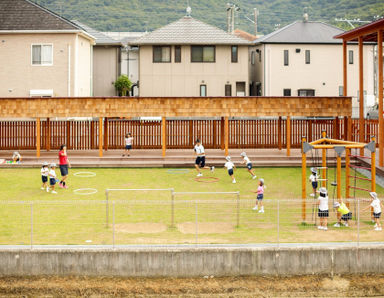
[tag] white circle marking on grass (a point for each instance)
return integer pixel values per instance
(85, 191)
(85, 174)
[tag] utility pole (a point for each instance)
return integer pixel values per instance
(256, 14)
(231, 9)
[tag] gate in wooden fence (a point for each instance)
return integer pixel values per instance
(180, 134)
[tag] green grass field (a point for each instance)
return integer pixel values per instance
(145, 217)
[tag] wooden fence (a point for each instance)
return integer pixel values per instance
(244, 133)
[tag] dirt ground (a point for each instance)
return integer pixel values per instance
(205, 286)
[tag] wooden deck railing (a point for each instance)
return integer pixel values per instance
(244, 133)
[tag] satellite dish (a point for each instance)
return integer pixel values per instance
(189, 10)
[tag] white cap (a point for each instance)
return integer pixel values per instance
(336, 204)
(261, 180)
(323, 190)
(373, 195)
(45, 163)
(52, 165)
(314, 170)
(228, 158)
(243, 154)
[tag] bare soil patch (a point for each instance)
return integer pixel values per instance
(241, 286)
(206, 227)
(143, 227)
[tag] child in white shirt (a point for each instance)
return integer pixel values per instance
(248, 163)
(230, 166)
(128, 140)
(52, 178)
(377, 207)
(323, 209)
(44, 175)
(313, 178)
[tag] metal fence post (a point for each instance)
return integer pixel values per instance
(358, 222)
(278, 223)
(172, 208)
(106, 209)
(113, 224)
(31, 225)
(196, 225)
(238, 209)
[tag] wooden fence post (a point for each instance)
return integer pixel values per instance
(303, 180)
(100, 136)
(106, 134)
(48, 135)
(279, 137)
(222, 133)
(226, 134)
(163, 135)
(38, 135)
(191, 140)
(288, 135)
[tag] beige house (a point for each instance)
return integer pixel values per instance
(191, 58)
(303, 59)
(41, 53)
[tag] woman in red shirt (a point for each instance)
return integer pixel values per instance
(64, 164)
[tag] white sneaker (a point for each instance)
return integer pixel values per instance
(212, 169)
(345, 224)
(254, 177)
(42, 188)
(261, 211)
(199, 175)
(54, 192)
(325, 228)
(319, 227)
(47, 189)
(255, 208)
(312, 194)
(336, 225)
(234, 181)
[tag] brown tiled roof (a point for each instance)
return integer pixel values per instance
(245, 35)
(26, 15)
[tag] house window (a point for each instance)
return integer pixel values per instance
(161, 54)
(287, 92)
(177, 54)
(341, 90)
(203, 90)
(202, 53)
(307, 57)
(286, 58)
(350, 57)
(234, 54)
(306, 92)
(42, 54)
(228, 90)
(253, 53)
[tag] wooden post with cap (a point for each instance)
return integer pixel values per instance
(303, 179)
(38, 136)
(100, 136)
(163, 135)
(288, 135)
(226, 134)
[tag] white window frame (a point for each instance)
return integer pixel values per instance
(41, 44)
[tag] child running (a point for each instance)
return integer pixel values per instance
(248, 163)
(313, 178)
(230, 166)
(200, 158)
(343, 214)
(52, 178)
(44, 176)
(260, 196)
(128, 140)
(323, 209)
(376, 205)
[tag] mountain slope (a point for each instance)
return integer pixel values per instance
(141, 15)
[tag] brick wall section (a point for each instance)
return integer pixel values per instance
(175, 107)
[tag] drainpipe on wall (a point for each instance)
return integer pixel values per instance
(69, 71)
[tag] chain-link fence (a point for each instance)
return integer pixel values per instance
(165, 217)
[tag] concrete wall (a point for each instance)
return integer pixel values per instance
(185, 78)
(193, 261)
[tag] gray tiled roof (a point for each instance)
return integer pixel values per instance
(188, 30)
(303, 32)
(100, 38)
(26, 15)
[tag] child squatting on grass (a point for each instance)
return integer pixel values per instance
(323, 209)
(230, 167)
(313, 178)
(377, 207)
(248, 163)
(260, 196)
(343, 214)
(52, 178)
(44, 176)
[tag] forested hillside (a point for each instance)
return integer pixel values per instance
(141, 15)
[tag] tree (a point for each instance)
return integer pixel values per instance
(123, 85)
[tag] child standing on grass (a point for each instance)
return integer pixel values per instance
(52, 178)
(313, 178)
(248, 163)
(323, 209)
(230, 166)
(44, 175)
(128, 140)
(260, 196)
(376, 205)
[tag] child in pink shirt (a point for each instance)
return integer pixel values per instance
(260, 196)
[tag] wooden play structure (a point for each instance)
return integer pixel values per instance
(340, 147)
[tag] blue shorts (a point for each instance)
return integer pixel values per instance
(64, 170)
(314, 185)
(200, 161)
(249, 166)
(260, 197)
(230, 172)
(44, 179)
(376, 215)
(347, 216)
(52, 181)
(128, 147)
